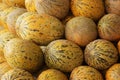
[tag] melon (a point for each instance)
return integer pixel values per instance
(118, 47)
(18, 3)
(52, 74)
(40, 28)
(113, 73)
(93, 9)
(12, 17)
(81, 30)
(30, 6)
(109, 27)
(85, 73)
(17, 74)
(3, 16)
(4, 67)
(100, 54)
(63, 55)
(112, 6)
(23, 54)
(56, 8)
(5, 36)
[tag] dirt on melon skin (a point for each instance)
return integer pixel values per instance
(81, 30)
(17, 74)
(30, 6)
(101, 54)
(52, 74)
(4, 67)
(109, 27)
(85, 73)
(17, 3)
(56, 8)
(113, 73)
(93, 9)
(112, 6)
(41, 29)
(63, 55)
(12, 17)
(3, 16)
(5, 36)
(23, 54)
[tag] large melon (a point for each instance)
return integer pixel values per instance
(93, 9)
(113, 73)
(81, 30)
(109, 27)
(56, 8)
(85, 73)
(18, 3)
(4, 67)
(42, 29)
(113, 6)
(101, 54)
(12, 17)
(17, 74)
(53, 75)
(63, 55)
(23, 54)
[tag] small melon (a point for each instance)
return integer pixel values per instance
(113, 6)
(17, 74)
(101, 54)
(56, 8)
(40, 28)
(81, 30)
(85, 73)
(12, 17)
(23, 54)
(93, 9)
(4, 67)
(109, 27)
(113, 73)
(18, 3)
(63, 55)
(52, 74)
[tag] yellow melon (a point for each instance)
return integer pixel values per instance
(93, 9)
(17, 74)
(40, 28)
(30, 6)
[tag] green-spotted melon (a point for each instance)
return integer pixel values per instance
(56, 8)
(93, 9)
(40, 28)
(81, 30)
(12, 17)
(113, 73)
(85, 73)
(63, 55)
(4, 67)
(109, 27)
(112, 6)
(17, 74)
(23, 54)
(101, 54)
(52, 74)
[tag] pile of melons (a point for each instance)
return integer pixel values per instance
(59, 39)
